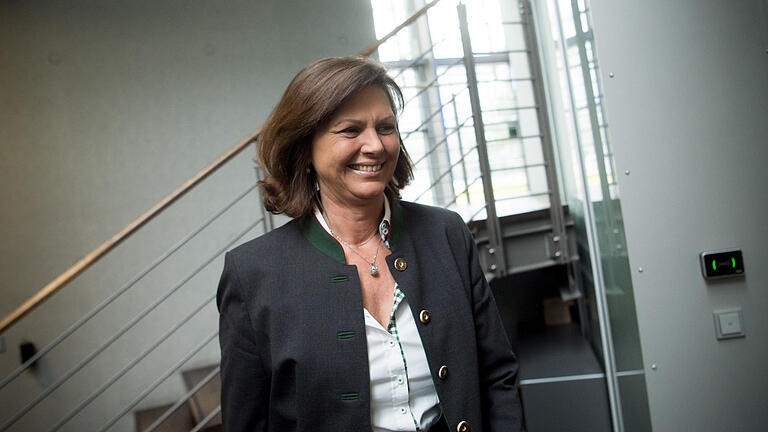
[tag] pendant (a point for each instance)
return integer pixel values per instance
(374, 270)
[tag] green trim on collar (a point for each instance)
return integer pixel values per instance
(328, 245)
(320, 239)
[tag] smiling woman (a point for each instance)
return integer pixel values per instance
(364, 312)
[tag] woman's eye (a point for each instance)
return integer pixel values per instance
(387, 129)
(349, 132)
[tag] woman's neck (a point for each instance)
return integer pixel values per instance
(354, 224)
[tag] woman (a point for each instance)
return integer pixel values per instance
(364, 312)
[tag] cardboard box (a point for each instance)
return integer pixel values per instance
(557, 311)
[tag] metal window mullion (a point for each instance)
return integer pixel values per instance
(461, 147)
(504, 52)
(530, 107)
(523, 196)
(514, 138)
(493, 57)
(519, 167)
(510, 80)
(436, 130)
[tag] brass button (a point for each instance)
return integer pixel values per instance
(425, 316)
(463, 426)
(442, 373)
(400, 264)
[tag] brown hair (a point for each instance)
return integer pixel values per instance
(311, 99)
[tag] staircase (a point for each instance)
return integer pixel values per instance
(199, 411)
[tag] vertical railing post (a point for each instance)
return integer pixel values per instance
(497, 263)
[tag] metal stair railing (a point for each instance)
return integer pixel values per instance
(80, 365)
(207, 419)
(159, 260)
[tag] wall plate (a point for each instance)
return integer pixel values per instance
(729, 324)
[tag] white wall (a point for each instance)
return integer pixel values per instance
(106, 107)
(687, 110)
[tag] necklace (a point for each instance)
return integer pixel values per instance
(373, 270)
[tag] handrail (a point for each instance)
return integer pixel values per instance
(88, 260)
(129, 229)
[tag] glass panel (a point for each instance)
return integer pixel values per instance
(590, 188)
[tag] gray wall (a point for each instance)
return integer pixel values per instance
(106, 107)
(687, 110)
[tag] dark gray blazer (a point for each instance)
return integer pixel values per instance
(292, 331)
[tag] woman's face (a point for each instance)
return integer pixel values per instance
(355, 153)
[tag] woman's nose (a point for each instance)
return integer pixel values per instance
(371, 141)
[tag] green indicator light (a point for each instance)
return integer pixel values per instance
(733, 262)
(714, 265)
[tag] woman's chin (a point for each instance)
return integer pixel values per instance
(367, 194)
(355, 193)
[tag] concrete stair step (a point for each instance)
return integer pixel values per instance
(180, 420)
(208, 398)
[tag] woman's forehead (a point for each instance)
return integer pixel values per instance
(369, 100)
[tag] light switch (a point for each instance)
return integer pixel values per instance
(728, 324)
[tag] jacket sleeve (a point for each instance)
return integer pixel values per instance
(497, 363)
(245, 377)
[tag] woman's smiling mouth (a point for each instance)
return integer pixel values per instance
(366, 168)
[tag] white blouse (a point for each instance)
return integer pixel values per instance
(403, 396)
